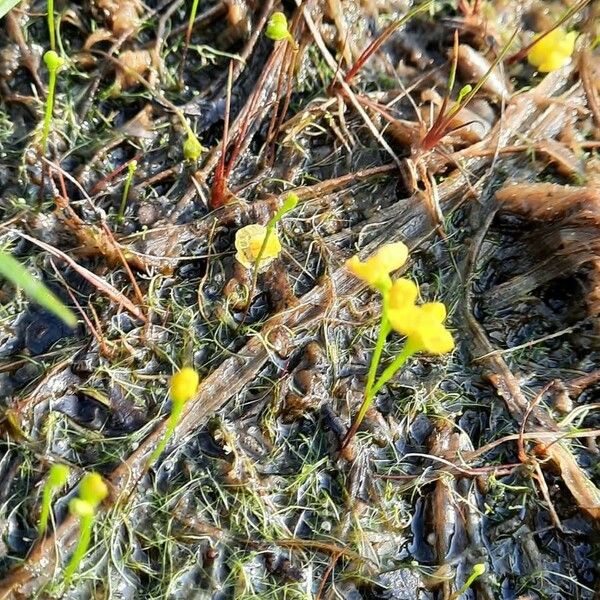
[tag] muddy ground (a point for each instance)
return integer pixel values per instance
(485, 456)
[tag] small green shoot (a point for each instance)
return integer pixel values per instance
(130, 173)
(290, 202)
(54, 62)
(57, 477)
(18, 275)
(478, 571)
(443, 121)
(184, 385)
(92, 491)
(188, 37)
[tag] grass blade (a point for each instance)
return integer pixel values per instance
(18, 275)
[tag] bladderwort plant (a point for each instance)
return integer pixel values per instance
(131, 168)
(57, 477)
(92, 491)
(183, 386)
(54, 62)
(257, 246)
(421, 325)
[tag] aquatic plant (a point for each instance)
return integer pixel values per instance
(92, 491)
(188, 37)
(131, 168)
(183, 386)
(421, 325)
(57, 477)
(552, 50)
(54, 62)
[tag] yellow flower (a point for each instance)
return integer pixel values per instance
(92, 489)
(377, 268)
(553, 51)
(403, 293)
(249, 241)
(81, 508)
(423, 325)
(184, 384)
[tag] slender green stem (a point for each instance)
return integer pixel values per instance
(45, 513)
(409, 349)
(130, 171)
(384, 331)
(49, 108)
(172, 421)
(51, 33)
(83, 543)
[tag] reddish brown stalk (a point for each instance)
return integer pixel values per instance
(104, 349)
(99, 283)
(279, 115)
(521, 441)
(218, 187)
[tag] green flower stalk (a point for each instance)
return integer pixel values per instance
(478, 571)
(184, 385)
(51, 33)
(92, 490)
(130, 173)
(54, 62)
(57, 477)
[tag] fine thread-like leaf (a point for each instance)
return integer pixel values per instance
(18, 275)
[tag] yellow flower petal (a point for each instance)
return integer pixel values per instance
(434, 338)
(92, 489)
(80, 508)
(406, 320)
(377, 268)
(184, 384)
(434, 311)
(249, 241)
(553, 51)
(391, 256)
(404, 292)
